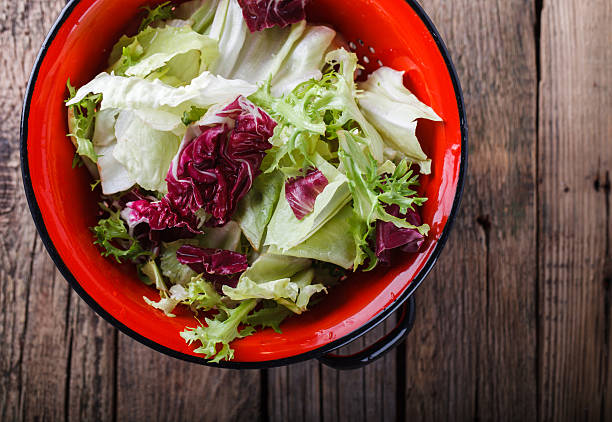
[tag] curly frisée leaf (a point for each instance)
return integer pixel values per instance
(81, 118)
(365, 185)
(161, 12)
(220, 331)
(112, 235)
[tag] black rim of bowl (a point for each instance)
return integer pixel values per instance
(312, 354)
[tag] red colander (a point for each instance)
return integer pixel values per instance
(393, 33)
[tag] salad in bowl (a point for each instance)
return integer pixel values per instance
(245, 163)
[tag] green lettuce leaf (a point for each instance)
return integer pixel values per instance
(270, 315)
(154, 48)
(255, 209)
(287, 280)
(332, 243)
(371, 192)
(145, 153)
(161, 12)
(275, 289)
(285, 231)
(394, 111)
(201, 295)
(221, 330)
(112, 235)
(81, 118)
(160, 105)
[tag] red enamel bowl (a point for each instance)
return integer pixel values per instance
(392, 32)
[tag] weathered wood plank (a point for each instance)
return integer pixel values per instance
(575, 166)
(472, 354)
(55, 359)
(310, 391)
(155, 387)
(91, 383)
(33, 298)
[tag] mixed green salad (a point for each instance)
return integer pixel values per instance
(242, 168)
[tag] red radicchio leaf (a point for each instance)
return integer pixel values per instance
(212, 172)
(301, 192)
(222, 267)
(262, 14)
(389, 236)
(216, 169)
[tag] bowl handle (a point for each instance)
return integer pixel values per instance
(378, 349)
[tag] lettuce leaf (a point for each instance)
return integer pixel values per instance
(332, 243)
(112, 235)
(221, 330)
(285, 231)
(394, 111)
(81, 117)
(145, 153)
(370, 193)
(270, 315)
(154, 48)
(255, 209)
(155, 100)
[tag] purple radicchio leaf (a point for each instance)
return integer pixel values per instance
(301, 192)
(262, 14)
(212, 171)
(217, 168)
(389, 236)
(221, 267)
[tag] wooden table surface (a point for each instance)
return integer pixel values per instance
(512, 324)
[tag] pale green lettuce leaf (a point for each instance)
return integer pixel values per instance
(275, 289)
(274, 267)
(255, 209)
(221, 330)
(305, 60)
(285, 231)
(114, 177)
(169, 301)
(332, 243)
(201, 294)
(303, 280)
(159, 45)
(146, 153)
(229, 29)
(394, 111)
(161, 100)
(270, 315)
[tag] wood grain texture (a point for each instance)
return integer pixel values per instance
(472, 355)
(310, 391)
(33, 299)
(156, 387)
(575, 167)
